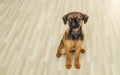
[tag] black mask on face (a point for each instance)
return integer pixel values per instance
(74, 22)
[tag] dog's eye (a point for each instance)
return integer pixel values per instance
(77, 19)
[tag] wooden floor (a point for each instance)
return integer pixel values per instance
(31, 30)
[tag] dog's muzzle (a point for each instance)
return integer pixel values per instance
(74, 25)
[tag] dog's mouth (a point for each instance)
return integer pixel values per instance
(74, 26)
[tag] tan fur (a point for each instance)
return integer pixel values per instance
(69, 45)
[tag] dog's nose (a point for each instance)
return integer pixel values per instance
(73, 24)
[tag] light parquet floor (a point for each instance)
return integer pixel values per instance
(31, 30)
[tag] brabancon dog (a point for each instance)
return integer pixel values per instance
(73, 37)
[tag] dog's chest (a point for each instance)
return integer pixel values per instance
(75, 35)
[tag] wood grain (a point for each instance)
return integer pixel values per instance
(31, 30)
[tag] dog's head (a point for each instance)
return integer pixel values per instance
(75, 19)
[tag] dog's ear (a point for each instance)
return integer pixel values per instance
(64, 19)
(85, 18)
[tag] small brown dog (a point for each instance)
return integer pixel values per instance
(73, 37)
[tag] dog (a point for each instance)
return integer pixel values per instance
(73, 37)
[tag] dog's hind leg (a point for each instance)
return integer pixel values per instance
(61, 50)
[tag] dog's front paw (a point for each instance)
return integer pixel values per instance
(68, 66)
(77, 65)
(82, 51)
